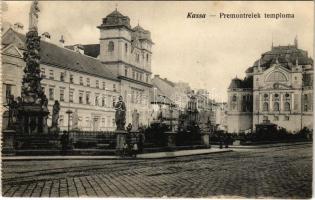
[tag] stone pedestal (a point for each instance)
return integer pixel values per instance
(120, 139)
(8, 141)
(205, 139)
(171, 139)
(33, 119)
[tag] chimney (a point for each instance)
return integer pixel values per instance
(18, 27)
(62, 41)
(45, 37)
(79, 48)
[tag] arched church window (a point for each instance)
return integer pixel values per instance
(234, 98)
(111, 46)
(276, 77)
(265, 106)
(287, 106)
(147, 57)
(276, 106)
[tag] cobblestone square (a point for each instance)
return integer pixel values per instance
(275, 172)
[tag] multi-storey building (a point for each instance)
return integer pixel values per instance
(80, 83)
(88, 79)
(127, 52)
(278, 88)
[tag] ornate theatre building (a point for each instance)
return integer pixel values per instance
(278, 88)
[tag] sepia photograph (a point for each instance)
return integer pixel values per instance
(157, 99)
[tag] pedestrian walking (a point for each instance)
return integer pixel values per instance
(135, 150)
(125, 150)
(64, 143)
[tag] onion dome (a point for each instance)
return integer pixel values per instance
(141, 33)
(114, 20)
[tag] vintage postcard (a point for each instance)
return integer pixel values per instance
(164, 99)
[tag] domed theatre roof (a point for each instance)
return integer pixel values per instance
(287, 56)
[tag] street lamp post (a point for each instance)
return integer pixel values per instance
(69, 112)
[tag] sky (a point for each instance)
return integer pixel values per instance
(206, 52)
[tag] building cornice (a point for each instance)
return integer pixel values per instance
(128, 64)
(135, 81)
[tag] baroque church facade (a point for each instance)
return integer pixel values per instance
(87, 79)
(278, 88)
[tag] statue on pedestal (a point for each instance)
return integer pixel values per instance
(33, 16)
(120, 115)
(55, 114)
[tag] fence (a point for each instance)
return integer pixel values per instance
(93, 139)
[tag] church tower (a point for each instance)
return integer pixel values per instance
(127, 52)
(125, 47)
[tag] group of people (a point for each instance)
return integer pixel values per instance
(133, 144)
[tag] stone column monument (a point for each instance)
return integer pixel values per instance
(33, 110)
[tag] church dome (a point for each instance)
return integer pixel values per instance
(115, 19)
(235, 83)
(284, 55)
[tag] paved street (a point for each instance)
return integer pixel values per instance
(277, 172)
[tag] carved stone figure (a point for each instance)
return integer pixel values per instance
(55, 114)
(135, 120)
(33, 16)
(120, 115)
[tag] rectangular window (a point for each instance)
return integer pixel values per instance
(81, 97)
(96, 100)
(137, 57)
(104, 85)
(88, 82)
(71, 78)
(62, 76)
(62, 95)
(8, 91)
(51, 93)
(81, 80)
(87, 98)
(97, 84)
(133, 74)
(71, 96)
(51, 74)
(286, 118)
(147, 78)
(103, 101)
(42, 72)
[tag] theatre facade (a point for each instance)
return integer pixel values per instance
(278, 88)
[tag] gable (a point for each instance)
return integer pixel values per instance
(12, 50)
(276, 74)
(12, 37)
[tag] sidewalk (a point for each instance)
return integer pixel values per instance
(257, 146)
(158, 155)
